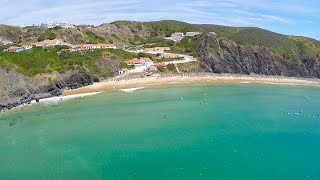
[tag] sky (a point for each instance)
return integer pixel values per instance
(292, 17)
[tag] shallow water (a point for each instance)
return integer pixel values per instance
(225, 131)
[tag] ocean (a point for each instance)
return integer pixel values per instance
(217, 131)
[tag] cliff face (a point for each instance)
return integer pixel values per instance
(16, 89)
(223, 56)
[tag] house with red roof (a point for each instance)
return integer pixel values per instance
(160, 64)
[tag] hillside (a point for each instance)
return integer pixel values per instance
(45, 72)
(129, 32)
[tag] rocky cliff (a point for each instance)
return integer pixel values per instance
(223, 56)
(17, 89)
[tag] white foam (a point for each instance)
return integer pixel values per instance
(130, 90)
(244, 82)
(55, 100)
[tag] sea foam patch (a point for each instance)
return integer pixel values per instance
(130, 90)
(55, 100)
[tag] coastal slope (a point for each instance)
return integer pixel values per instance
(224, 56)
(17, 89)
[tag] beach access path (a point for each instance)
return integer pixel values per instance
(187, 59)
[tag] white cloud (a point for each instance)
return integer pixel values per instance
(261, 13)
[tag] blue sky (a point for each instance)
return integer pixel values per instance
(294, 17)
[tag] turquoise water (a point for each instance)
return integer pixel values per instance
(223, 131)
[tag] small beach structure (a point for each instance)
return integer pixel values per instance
(152, 68)
(123, 71)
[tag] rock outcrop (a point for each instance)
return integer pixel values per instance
(223, 56)
(17, 89)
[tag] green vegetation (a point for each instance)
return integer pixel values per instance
(93, 38)
(125, 65)
(121, 53)
(187, 46)
(168, 27)
(115, 36)
(307, 46)
(215, 46)
(169, 59)
(191, 67)
(136, 40)
(171, 68)
(57, 28)
(150, 41)
(158, 42)
(162, 69)
(39, 60)
(47, 34)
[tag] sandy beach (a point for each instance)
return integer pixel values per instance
(206, 78)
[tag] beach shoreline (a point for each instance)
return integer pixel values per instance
(115, 84)
(130, 84)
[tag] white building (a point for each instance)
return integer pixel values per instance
(5, 42)
(55, 24)
(153, 68)
(14, 49)
(17, 48)
(50, 43)
(177, 37)
(192, 34)
(123, 71)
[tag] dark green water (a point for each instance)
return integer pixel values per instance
(226, 131)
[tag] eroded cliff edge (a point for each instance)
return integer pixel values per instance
(17, 89)
(223, 56)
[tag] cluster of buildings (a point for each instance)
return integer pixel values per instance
(17, 48)
(44, 44)
(60, 42)
(142, 64)
(83, 47)
(56, 24)
(50, 43)
(5, 42)
(178, 36)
